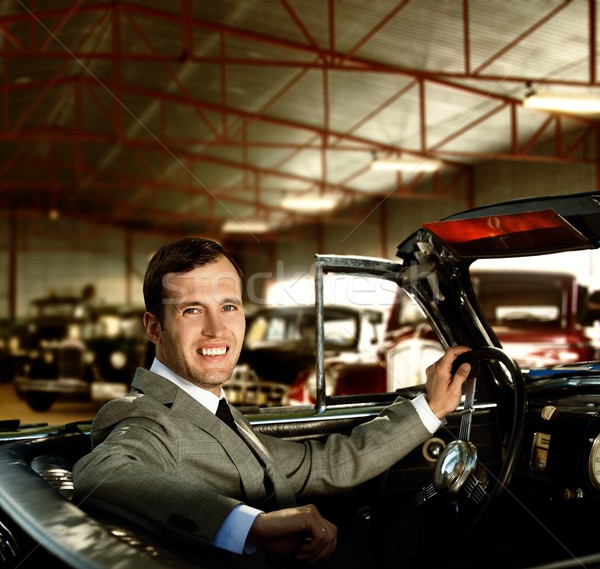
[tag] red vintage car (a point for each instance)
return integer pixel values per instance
(539, 317)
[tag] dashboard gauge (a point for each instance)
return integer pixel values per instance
(594, 463)
(539, 451)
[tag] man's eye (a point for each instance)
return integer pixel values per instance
(229, 307)
(190, 311)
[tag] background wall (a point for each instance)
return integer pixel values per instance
(62, 256)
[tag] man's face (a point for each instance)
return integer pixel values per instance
(203, 326)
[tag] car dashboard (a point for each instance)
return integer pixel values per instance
(561, 448)
(557, 470)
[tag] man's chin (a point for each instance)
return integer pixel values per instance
(211, 380)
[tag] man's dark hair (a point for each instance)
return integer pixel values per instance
(180, 256)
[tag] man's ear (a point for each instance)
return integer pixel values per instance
(152, 327)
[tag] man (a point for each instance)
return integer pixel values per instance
(163, 459)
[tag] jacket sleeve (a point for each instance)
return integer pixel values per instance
(340, 462)
(136, 473)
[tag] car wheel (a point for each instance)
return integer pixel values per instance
(40, 401)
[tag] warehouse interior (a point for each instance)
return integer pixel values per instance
(127, 124)
(293, 131)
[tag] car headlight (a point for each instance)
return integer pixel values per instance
(118, 360)
(14, 344)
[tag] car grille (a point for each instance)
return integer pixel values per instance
(244, 388)
(71, 360)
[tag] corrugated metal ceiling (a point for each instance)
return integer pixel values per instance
(172, 117)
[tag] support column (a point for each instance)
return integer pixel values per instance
(128, 265)
(12, 267)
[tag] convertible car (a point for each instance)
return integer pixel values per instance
(511, 480)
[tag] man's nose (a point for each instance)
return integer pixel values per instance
(213, 324)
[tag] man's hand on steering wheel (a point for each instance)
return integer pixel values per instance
(444, 389)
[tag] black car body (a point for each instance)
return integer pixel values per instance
(277, 363)
(511, 480)
(67, 348)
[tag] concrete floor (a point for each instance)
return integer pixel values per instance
(11, 407)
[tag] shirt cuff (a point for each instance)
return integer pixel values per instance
(234, 531)
(431, 422)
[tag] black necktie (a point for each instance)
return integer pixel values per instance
(224, 413)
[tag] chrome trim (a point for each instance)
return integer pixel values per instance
(349, 265)
(59, 385)
(313, 417)
(591, 467)
(331, 415)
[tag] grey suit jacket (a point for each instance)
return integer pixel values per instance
(160, 457)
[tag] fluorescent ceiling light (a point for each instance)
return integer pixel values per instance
(584, 104)
(248, 226)
(405, 165)
(309, 203)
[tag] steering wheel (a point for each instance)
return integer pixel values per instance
(455, 470)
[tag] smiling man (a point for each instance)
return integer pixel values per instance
(199, 328)
(174, 458)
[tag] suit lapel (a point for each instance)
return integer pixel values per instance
(283, 491)
(250, 471)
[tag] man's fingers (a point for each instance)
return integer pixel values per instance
(320, 544)
(463, 370)
(444, 388)
(300, 530)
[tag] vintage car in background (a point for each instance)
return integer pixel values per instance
(68, 348)
(541, 318)
(512, 479)
(277, 363)
(115, 336)
(10, 329)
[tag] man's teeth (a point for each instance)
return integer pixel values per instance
(213, 351)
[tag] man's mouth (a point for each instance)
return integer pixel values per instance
(212, 351)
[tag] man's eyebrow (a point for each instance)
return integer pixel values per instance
(232, 300)
(189, 303)
(227, 300)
